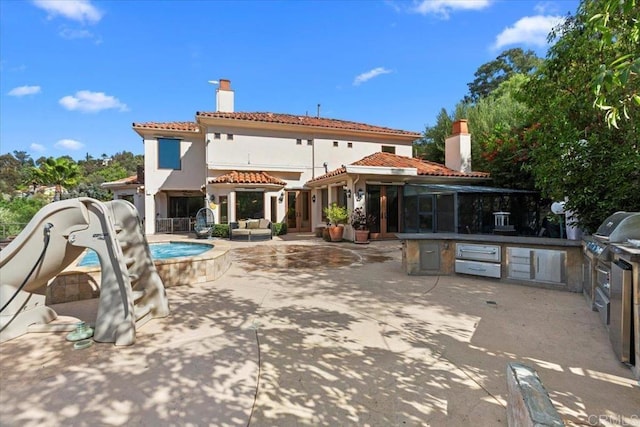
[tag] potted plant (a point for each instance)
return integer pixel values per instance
(337, 216)
(361, 223)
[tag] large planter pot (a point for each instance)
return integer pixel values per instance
(336, 232)
(361, 236)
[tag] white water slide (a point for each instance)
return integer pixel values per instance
(131, 291)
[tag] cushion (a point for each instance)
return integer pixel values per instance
(242, 224)
(264, 223)
(253, 224)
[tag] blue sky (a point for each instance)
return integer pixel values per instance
(74, 74)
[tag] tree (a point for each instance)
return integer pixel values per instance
(490, 75)
(616, 23)
(574, 154)
(9, 173)
(431, 145)
(61, 172)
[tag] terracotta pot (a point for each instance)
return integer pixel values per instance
(361, 236)
(336, 232)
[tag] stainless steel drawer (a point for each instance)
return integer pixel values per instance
(602, 305)
(478, 252)
(476, 268)
(519, 255)
(519, 271)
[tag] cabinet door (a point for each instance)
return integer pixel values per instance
(549, 265)
(429, 256)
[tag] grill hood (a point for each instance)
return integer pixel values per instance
(619, 227)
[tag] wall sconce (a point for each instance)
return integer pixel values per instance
(313, 198)
(212, 198)
(360, 194)
(348, 193)
(281, 197)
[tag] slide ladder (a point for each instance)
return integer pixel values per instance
(130, 291)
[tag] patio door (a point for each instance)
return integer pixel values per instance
(298, 211)
(383, 202)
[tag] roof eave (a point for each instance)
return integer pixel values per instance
(315, 130)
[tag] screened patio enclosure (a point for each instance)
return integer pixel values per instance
(467, 209)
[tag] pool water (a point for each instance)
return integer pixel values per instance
(158, 251)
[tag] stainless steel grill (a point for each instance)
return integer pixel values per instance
(601, 287)
(598, 255)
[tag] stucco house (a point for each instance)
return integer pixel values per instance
(287, 168)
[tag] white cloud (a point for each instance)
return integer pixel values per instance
(38, 148)
(91, 102)
(442, 8)
(530, 30)
(24, 90)
(361, 78)
(69, 144)
(76, 10)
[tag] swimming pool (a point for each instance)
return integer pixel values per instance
(158, 251)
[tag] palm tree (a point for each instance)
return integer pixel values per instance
(61, 172)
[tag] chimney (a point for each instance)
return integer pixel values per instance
(457, 148)
(224, 97)
(140, 174)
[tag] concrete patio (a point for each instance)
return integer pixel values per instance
(304, 332)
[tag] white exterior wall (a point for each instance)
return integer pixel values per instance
(191, 176)
(270, 151)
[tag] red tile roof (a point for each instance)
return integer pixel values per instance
(322, 122)
(179, 126)
(246, 177)
(133, 179)
(424, 167)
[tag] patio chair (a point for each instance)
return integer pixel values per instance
(205, 220)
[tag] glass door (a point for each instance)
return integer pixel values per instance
(383, 202)
(298, 211)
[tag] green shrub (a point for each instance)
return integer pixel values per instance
(279, 228)
(336, 214)
(220, 230)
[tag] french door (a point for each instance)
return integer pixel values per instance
(298, 211)
(383, 202)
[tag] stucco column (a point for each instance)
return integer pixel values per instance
(149, 213)
(231, 206)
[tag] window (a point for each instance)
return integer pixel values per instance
(169, 153)
(274, 209)
(249, 204)
(388, 149)
(298, 141)
(185, 207)
(349, 144)
(224, 209)
(324, 198)
(127, 197)
(335, 143)
(229, 137)
(309, 141)
(216, 135)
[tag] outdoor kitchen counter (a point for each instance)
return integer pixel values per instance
(534, 261)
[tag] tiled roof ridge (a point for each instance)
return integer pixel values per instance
(247, 177)
(304, 120)
(175, 125)
(424, 167)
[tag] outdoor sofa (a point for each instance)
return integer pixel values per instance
(251, 230)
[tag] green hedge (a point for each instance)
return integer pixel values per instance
(279, 228)
(220, 230)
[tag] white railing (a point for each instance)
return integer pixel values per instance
(174, 225)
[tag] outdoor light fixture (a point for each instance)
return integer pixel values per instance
(348, 193)
(313, 198)
(212, 198)
(360, 194)
(281, 197)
